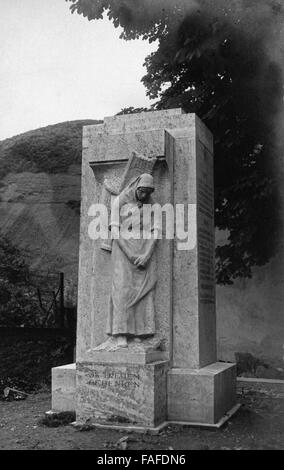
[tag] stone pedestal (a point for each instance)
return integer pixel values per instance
(201, 396)
(122, 390)
(64, 388)
(184, 382)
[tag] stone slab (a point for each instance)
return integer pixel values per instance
(217, 425)
(161, 427)
(63, 388)
(125, 356)
(95, 267)
(115, 394)
(126, 427)
(120, 135)
(203, 395)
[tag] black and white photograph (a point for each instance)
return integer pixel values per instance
(142, 228)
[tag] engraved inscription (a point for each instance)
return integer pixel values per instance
(110, 378)
(206, 244)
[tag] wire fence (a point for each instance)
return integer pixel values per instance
(51, 297)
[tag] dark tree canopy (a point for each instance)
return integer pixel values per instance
(222, 60)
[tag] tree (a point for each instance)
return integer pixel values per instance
(132, 110)
(17, 303)
(220, 60)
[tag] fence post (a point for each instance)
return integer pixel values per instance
(62, 312)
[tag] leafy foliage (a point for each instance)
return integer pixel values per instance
(221, 60)
(18, 303)
(132, 110)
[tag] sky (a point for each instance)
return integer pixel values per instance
(57, 67)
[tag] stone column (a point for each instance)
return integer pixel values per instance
(194, 321)
(200, 390)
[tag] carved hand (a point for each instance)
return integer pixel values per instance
(142, 260)
(125, 250)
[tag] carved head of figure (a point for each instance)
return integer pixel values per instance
(145, 187)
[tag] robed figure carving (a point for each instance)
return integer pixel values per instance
(131, 316)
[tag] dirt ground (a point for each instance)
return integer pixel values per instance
(259, 424)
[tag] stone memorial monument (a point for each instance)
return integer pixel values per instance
(146, 331)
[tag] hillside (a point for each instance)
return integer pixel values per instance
(50, 149)
(40, 174)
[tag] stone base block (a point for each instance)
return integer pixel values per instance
(125, 356)
(201, 396)
(122, 394)
(126, 427)
(63, 388)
